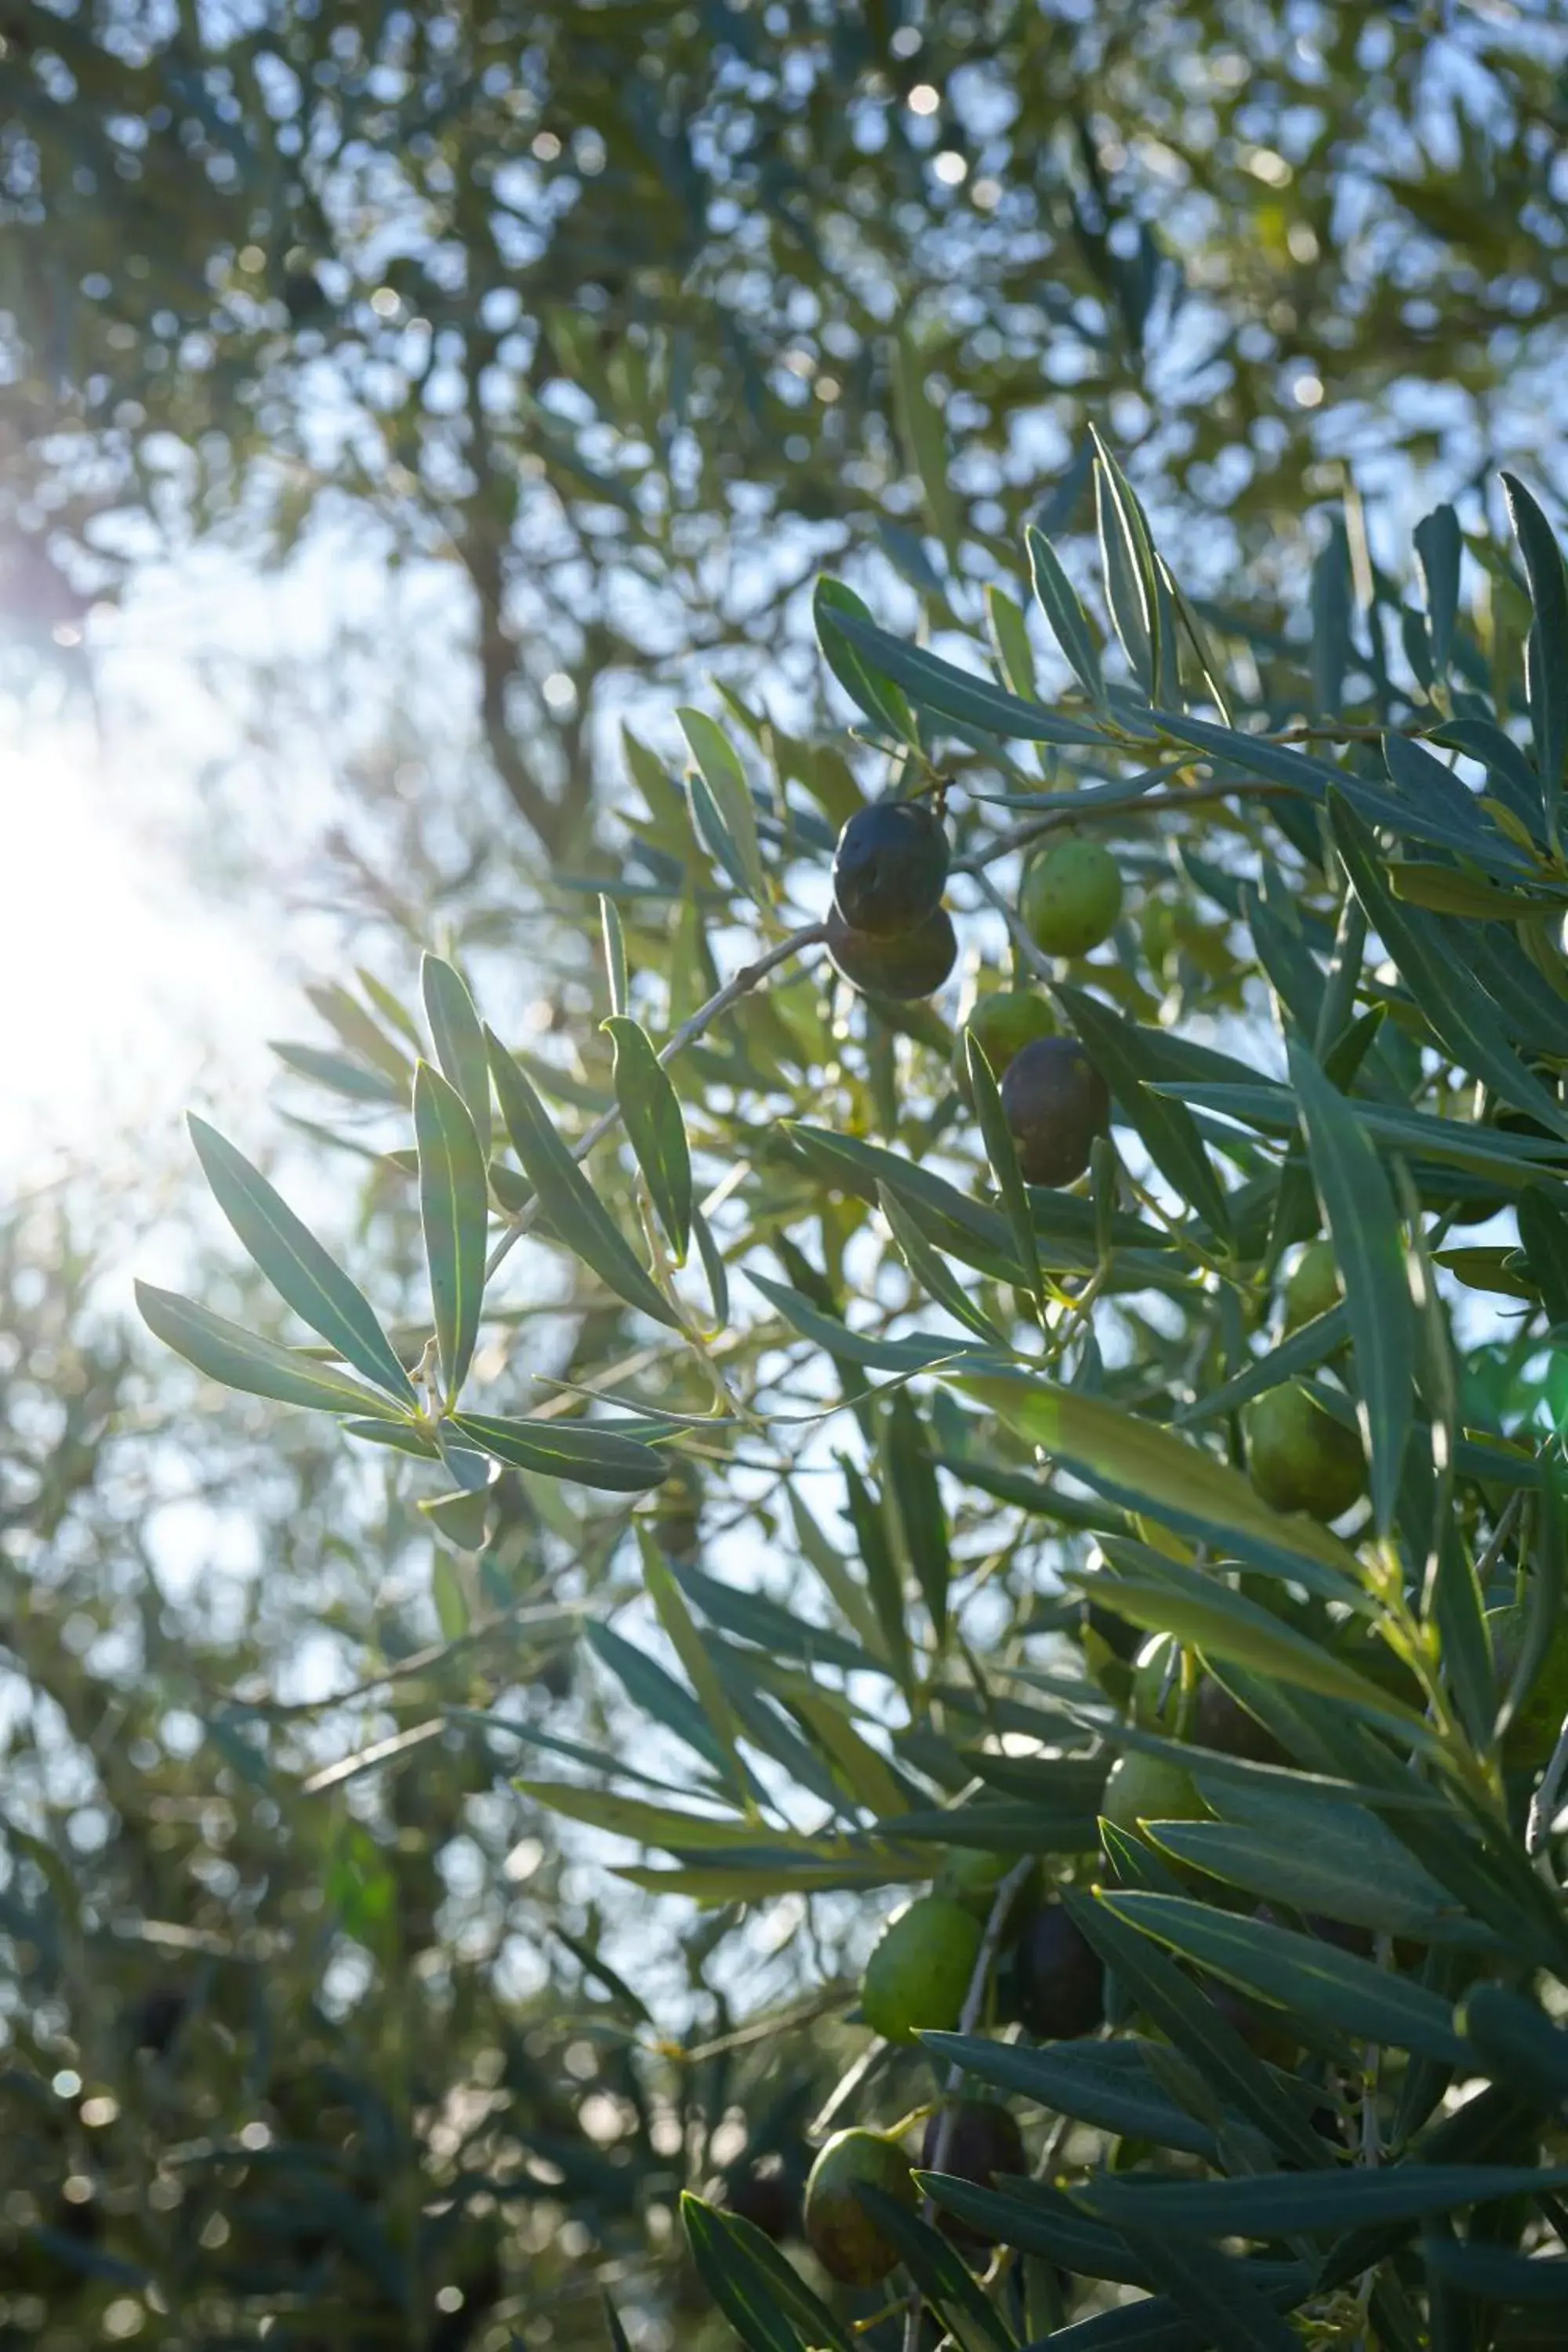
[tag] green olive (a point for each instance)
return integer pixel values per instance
(1071, 897)
(1299, 1457)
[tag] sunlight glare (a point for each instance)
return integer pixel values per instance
(122, 984)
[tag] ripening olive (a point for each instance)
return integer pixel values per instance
(891, 868)
(1006, 1021)
(918, 1972)
(848, 2244)
(971, 2140)
(906, 964)
(1056, 1104)
(1144, 1789)
(1299, 1457)
(1071, 897)
(1059, 1979)
(1313, 1286)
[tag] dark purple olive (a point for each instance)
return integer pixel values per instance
(889, 868)
(769, 2201)
(1220, 1722)
(1056, 1103)
(973, 2140)
(906, 964)
(1059, 1977)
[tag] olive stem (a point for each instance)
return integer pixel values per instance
(969, 2018)
(809, 935)
(1105, 812)
(1543, 1804)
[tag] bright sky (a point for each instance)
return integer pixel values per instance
(209, 724)
(122, 987)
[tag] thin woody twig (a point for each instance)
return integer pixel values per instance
(1106, 811)
(973, 2002)
(1543, 1804)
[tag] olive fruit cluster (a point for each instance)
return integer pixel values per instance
(888, 930)
(890, 935)
(917, 1980)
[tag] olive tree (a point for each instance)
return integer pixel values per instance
(621, 312)
(1084, 1468)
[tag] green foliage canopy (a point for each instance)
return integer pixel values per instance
(1021, 1403)
(591, 301)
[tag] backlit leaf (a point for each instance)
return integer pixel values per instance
(459, 1040)
(304, 1277)
(454, 1212)
(1364, 1226)
(567, 1449)
(651, 1111)
(1546, 656)
(1058, 601)
(577, 1216)
(226, 1352)
(1147, 1468)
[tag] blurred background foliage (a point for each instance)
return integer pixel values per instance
(625, 320)
(608, 308)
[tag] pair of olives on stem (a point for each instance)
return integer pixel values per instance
(890, 935)
(888, 929)
(916, 1980)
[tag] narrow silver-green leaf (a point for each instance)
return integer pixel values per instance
(1108, 2084)
(651, 1111)
(1167, 1129)
(1493, 2274)
(1546, 656)
(834, 609)
(941, 688)
(567, 1449)
(615, 952)
(708, 821)
(1127, 555)
(1058, 601)
(454, 1213)
(1364, 1225)
(1149, 1469)
(1216, 2291)
(226, 1353)
(1003, 1155)
(1203, 1610)
(577, 1216)
(917, 1499)
(1283, 2204)
(715, 1272)
(1175, 2006)
(911, 1353)
(337, 1072)
(1450, 999)
(1302, 1974)
(1303, 1351)
(458, 1039)
(300, 1271)
(397, 1015)
(688, 1643)
(1439, 548)
(743, 2291)
(344, 1013)
(930, 1269)
(1010, 642)
(721, 768)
